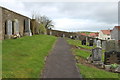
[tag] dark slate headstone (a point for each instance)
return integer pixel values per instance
(97, 54)
(83, 42)
(91, 43)
(112, 57)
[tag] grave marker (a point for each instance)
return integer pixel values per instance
(91, 42)
(99, 43)
(112, 57)
(97, 54)
(9, 27)
(16, 26)
(83, 42)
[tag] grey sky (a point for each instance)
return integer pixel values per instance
(71, 16)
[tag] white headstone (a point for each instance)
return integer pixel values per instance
(63, 35)
(16, 26)
(9, 27)
(50, 32)
(99, 43)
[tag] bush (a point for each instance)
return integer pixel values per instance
(42, 29)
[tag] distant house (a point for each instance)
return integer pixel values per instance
(83, 34)
(94, 35)
(115, 33)
(105, 34)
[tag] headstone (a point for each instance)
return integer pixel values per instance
(112, 57)
(103, 44)
(16, 26)
(83, 42)
(27, 27)
(63, 35)
(95, 41)
(99, 43)
(110, 46)
(9, 27)
(91, 42)
(97, 54)
(50, 32)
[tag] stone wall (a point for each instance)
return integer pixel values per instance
(0, 23)
(12, 16)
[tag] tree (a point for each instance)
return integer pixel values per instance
(42, 29)
(44, 20)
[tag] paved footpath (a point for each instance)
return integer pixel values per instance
(61, 62)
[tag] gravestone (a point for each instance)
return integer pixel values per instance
(95, 41)
(9, 27)
(83, 42)
(63, 35)
(50, 32)
(112, 45)
(91, 42)
(97, 54)
(99, 43)
(103, 42)
(16, 26)
(112, 57)
(27, 27)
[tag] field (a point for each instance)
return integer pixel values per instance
(85, 70)
(24, 57)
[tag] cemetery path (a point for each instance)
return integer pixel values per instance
(61, 62)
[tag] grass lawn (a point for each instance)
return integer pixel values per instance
(82, 53)
(24, 57)
(78, 43)
(89, 72)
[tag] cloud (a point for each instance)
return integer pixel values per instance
(71, 16)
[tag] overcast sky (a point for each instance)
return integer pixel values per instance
(71, 16)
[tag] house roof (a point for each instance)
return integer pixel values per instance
(84, 34)
(107, 32)
(93, 34)
(117, 27)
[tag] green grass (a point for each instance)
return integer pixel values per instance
(78, 44)
(82, 53)
(24, 57)
(0, 58)
(89, 72)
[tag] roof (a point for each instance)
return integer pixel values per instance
(84, 34)
(94, 34)
(107, 32)
(117, 27)
(14, 12)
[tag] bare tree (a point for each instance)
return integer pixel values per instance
(44, 20)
